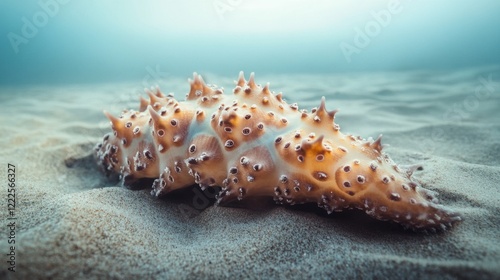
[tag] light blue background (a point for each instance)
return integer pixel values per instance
(105, 41)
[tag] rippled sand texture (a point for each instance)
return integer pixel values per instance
(73, 222)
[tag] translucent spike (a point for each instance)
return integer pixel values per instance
(241, 79)
(279, 96)
(156, 117)
(322, 105)
(114, 120)
(251, 81)
(153, 98)
(266, 89)
(377, 144)
(158, 92)
(143, 104)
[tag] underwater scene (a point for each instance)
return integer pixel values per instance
(223, 139)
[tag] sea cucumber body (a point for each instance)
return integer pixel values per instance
(252, 143)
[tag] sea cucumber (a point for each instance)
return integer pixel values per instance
(254, 144)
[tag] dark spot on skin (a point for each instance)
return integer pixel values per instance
(229, 143)
(148, 154)
(321, 176)
(395, 196)
(204, 156)
(257, 167)
(347, 184)
(192, 148)
(278, 139)
(244, 160)
(283, 179)
(360, 179)
(277, 191)
(173, 122)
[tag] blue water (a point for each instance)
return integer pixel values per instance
(56, 41)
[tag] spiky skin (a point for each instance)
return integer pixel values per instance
(253, 143)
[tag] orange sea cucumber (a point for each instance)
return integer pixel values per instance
(253, 143)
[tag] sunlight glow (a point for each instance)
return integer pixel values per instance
(257, 16)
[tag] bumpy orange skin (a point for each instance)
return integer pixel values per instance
(253, 143)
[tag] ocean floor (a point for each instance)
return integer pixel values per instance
(73, 222)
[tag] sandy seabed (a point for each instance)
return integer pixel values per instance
(74, 223)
